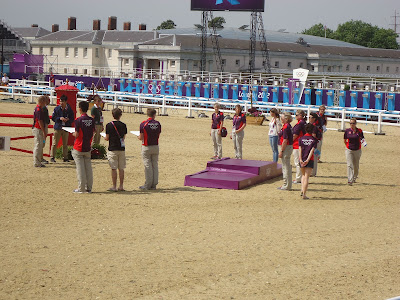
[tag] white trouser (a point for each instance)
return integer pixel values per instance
(296, 160)
(38, 146)
(353, 164)
(84, 170)
(286, 167)
(150, 161)
(237, 138)
(217, 141)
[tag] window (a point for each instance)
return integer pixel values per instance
(289, 64)
(51, 51)
(85, 71)
(96, 72)
(172, 63)
(313, 68)
(329, 68)
(75, 52)
(368, 68)
(97, 52)
(378, 68)
(387, 69)
(348, 68)
(126, 61)
(65, 70)
(301, 65)
(277, 64)
(195, 63)
(109, 53)
(397, 69)
(85, 52)
(237, 62)
(66, 52)
(358, 67)
(223, 62)
(75, 71)
(41, 50)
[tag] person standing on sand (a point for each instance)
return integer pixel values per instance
(275, 126)
(285, 151)
(84, 128)
(150, 131)
(298, 131)
(38, 131)
(353, 139)
(115, 134)
(63, 116)
(97, 115)
(307, 145)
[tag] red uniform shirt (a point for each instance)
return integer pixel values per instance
(300, 130)
(84, 125)
(151, 130)
(217, 120)
(239, 120)
(353, 139)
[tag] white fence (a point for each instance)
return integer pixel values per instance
(193, 105)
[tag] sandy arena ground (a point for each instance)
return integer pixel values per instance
(194, 243)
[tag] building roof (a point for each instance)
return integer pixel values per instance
(191, 41)
(128, 36)
(271, 36)
(98, 36)
(31, 32)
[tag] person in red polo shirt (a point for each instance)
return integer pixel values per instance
(285, 151)
(84, 128)
(298, 131)
(39, 132)
(353, 137)
(307, 145)
(150, 130)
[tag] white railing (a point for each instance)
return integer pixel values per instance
(192, 105)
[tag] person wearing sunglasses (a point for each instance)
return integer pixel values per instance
(353, 138)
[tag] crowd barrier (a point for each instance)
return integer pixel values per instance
(192, 105)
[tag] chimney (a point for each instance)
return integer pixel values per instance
(96, 24)
(34, 25)
(55, 28)
(127, 25)
(71, 23)
(112, 23)
(142, 26)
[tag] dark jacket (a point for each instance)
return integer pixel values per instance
(66, 113)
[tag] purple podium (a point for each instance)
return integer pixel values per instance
(234, 174)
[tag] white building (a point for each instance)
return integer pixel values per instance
(122, 53)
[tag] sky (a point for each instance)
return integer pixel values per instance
(291, 15)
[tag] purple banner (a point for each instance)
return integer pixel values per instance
(232, 5)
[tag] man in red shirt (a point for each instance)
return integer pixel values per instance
(39, 132)
(84, 128)
(150, 130)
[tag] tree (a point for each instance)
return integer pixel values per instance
(384, 38)
(319, 30)
(217, 22)
(356, 32)
(359, 33)
(169, 24)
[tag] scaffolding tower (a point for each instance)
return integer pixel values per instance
(257, 26)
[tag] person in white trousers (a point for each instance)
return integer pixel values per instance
(216, 127)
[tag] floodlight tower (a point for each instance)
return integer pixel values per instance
(206, 17)
(257, 26)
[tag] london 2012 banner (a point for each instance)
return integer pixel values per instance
(231, 5)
